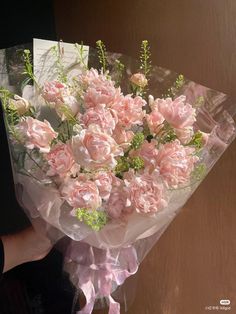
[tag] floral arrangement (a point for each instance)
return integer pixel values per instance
(111, 153)
(103, 160)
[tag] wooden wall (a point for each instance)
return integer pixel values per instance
(194, 263)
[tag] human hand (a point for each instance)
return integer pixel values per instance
(28, 245)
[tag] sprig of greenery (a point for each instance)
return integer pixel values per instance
(81, 54)
(95, 219)
(5, 95)
(59, 64)
(12, 115)
(137, 140)
(136, 163)
(124, 163)
(145, 58)
(119, 70)
(172, 91)
(28, 69)
(101, 50)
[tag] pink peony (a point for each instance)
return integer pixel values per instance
(129, 110)
(94, 149)
(96, 95)
(92, 76)
(139, 79)
(60, 160)
(148, 152)
(81, 193)
(145, 193)
(104, 181)
(37, 134)
(53, 91)
(184, 135)
(177, 112)
(99, 89)
(155, 121)
(104, 117)
(176, 163)
(122, 137)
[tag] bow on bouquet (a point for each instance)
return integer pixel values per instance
(108, 154)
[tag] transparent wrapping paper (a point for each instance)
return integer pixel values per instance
(119, 243)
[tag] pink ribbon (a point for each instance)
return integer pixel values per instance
(97, 272)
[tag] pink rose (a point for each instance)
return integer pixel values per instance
(139, 79)
(148, 152)
(145, 193)
(53, 91)
(116, 204)
(176, 163)
(104, 117)
(184, 135)
(104, 181)
(37, 134)
(155, 121)
(129, 110)
(176, 112)
(122, 137)
(81, 193)
(94, 149)
(60, 160)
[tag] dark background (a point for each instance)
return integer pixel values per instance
(193, 264)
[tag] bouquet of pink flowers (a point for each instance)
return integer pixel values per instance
(107, 160)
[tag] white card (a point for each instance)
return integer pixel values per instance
(45, 61)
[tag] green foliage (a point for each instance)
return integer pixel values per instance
(136, 163)
(93, 218)
(119, 70)
(58, 53)
(145, 58)
(167, 137)
(172, 91)
(12, 115)
(197, 140)
(122, 165)
(137, 140)
(101, 50)
(81, 54)
(5, 95)
(28, 70)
